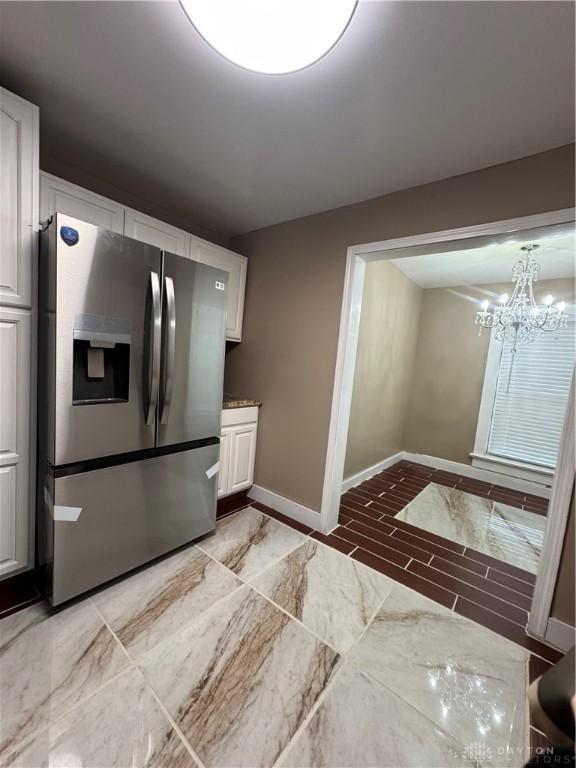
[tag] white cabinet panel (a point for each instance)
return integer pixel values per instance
(15, 446)
(59, 196)
(10, 342)
(237, 449)
(223, 472)
(154, 232)
(242, 455)
(235, 265)
(8, 519)
(18, 198)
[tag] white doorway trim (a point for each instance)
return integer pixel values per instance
(555, 526)
(357, 256)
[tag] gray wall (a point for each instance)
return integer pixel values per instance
(449, 369)
(121, 191)
(294, 295)
(384, 366)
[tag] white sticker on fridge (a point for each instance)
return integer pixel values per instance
(213, 469)
(67, 514)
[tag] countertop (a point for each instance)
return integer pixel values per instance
(233, 401)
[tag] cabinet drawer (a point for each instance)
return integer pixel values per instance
(232, 416)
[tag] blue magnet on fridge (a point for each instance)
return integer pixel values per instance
(69, 235)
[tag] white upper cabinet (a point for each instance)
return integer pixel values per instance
(57, 196)
(19, 198)
(235, 265)
(154, 232)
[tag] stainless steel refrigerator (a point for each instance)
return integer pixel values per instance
(131, 360)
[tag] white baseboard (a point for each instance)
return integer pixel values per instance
(366, 474)
(560, 634)
(476, 473)
(466, 470)
(287, 507)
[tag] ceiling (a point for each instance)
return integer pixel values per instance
(413, 92)
(491, 263)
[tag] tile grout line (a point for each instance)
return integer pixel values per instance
(526, 635)
(521, 628)
(415, 546)
(479, 588)
(175, 728)
(415, 535)
(456, 597)
(80, 703)
(284, 611)
(315, 707)
(398, 696)
(345, 661)
(246, 582)
(83, 699)
(134, 664)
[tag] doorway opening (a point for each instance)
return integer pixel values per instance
(442, 435)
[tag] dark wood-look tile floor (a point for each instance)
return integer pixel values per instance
(233, 503)
(18, 592)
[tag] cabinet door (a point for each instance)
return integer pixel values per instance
(223, 472)
(19, 198)
(154, 232)
(242, 455)
(15, 452)
(59, 196)
(235, 265)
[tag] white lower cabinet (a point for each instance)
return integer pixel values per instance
(242, 456)
(237, 450)
(16, 465)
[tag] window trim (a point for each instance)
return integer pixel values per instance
(480, 456)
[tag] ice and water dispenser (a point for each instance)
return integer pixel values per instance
(101, 360)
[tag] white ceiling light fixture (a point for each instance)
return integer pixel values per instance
(272, 37)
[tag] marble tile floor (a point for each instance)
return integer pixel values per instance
(509, 534)
(259, 646)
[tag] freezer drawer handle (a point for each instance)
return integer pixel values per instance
(155, 330)
(170, 348)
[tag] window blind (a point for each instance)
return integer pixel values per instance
(531, 396)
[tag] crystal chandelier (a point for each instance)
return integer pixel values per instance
(518, 317)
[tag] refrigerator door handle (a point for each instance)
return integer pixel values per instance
(153, 373)
(170, 349)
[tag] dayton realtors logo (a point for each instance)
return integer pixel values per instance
(479, 752)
